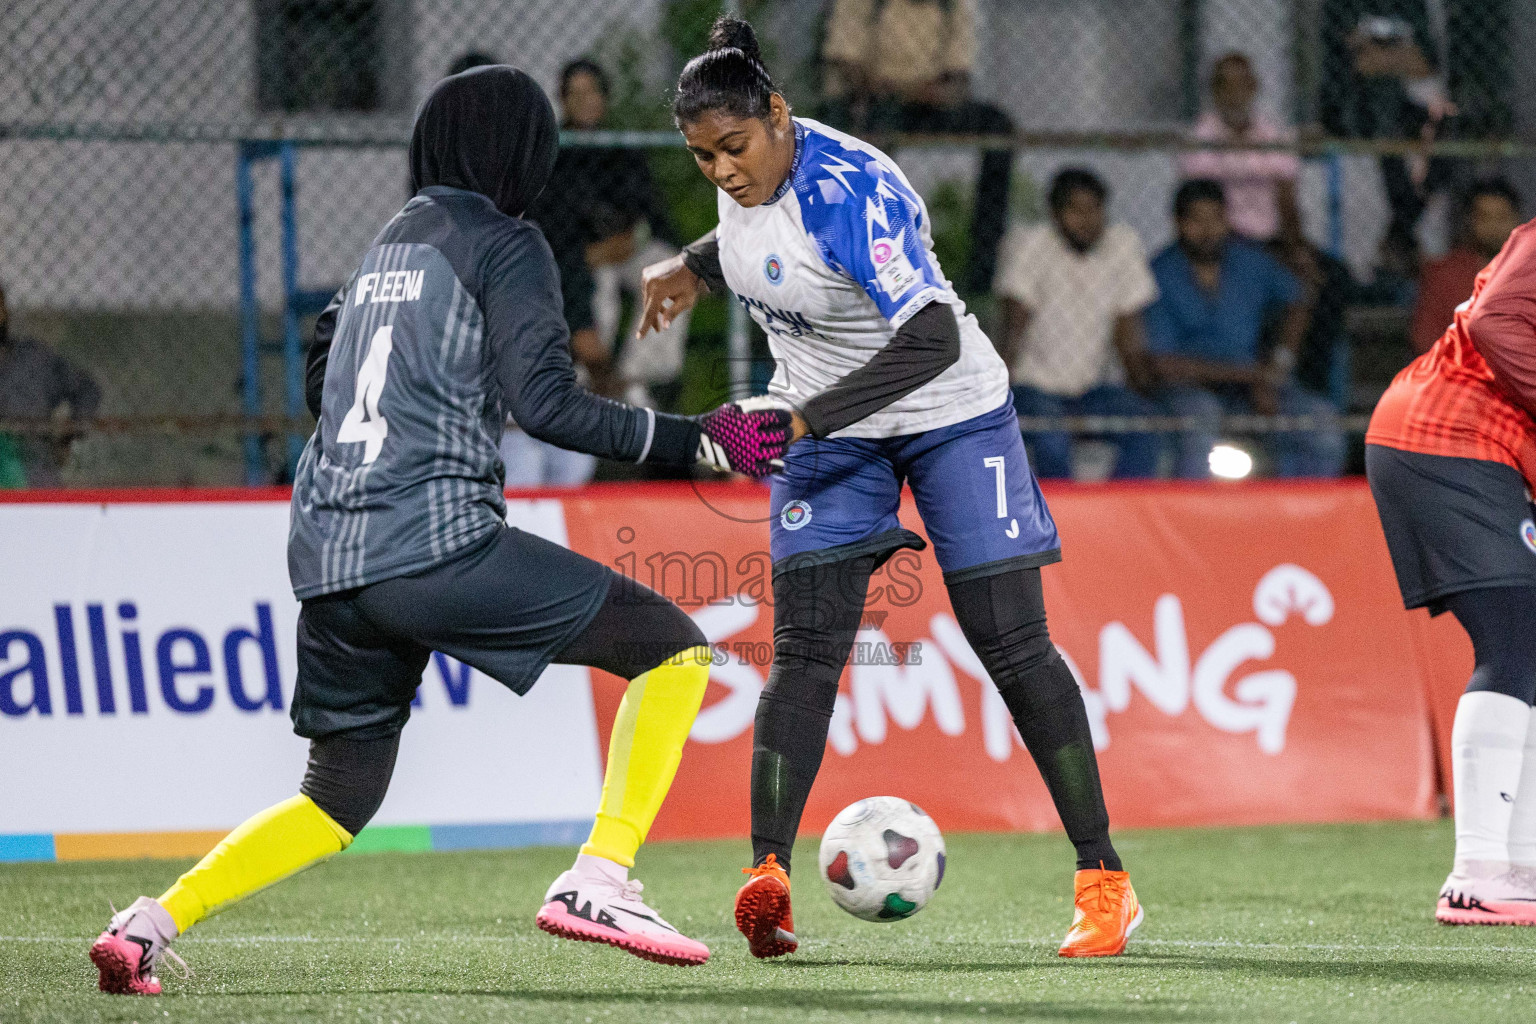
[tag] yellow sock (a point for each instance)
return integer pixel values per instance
(647, 743)
(280, 841)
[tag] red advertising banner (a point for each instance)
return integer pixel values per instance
(1242, 652)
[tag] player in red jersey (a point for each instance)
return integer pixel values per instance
(1451, 455)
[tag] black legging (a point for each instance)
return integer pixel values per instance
(1502, 624)
(817, 610)
(635, 630)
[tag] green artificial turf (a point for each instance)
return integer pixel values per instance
(1318, 923)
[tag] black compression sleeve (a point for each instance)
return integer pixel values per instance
(1003, 619)
(320, 352)
(703, 258)
(635, 630)
(676, 440)
(921, 349)
(816, 614)
(524, 323)
(347, 778)
(1499, 620)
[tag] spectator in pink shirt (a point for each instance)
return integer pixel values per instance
(1260, 184)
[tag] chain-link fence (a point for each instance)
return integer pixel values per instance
(184, 180)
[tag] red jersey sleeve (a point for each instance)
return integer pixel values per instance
(1502, 323)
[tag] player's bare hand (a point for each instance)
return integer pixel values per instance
(797, 427)
(667, 290)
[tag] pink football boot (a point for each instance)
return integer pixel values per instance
(127, 953)
(1479, 893)
(597, 901)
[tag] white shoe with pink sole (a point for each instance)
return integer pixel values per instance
(135, 942)
(1480, 893)
(597, 901)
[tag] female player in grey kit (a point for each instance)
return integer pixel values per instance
(399, 545)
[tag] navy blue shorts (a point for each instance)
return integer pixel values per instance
(838, 498)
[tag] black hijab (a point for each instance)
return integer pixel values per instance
(489, 130)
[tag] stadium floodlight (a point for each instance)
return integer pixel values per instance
(1230, 462)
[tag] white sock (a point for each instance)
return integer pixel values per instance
(602, 867)
(1522, 822)
(1487, 748)
(147, 916)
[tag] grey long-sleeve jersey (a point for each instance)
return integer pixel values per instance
(452, 321)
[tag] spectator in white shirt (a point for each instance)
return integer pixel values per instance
(1073, 291)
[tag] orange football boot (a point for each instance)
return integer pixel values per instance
(1106, 911)
(762, 911)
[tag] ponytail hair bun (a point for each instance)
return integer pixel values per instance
(734, 34)
(729, 77)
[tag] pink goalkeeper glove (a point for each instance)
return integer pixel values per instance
(748, 436)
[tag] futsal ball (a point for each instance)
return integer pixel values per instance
(882, 858)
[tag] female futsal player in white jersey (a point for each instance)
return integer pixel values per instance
(826, 244)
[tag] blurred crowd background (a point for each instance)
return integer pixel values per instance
(1204, 235)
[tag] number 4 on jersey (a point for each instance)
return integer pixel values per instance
(363, 421)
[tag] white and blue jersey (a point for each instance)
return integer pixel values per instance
(831, 266)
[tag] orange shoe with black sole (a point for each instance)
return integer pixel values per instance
(763, 913)
(1105, 913)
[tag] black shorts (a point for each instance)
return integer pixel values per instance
(506, 608)
(1452, 524)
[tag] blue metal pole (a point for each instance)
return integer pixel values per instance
(1335, 165)
(293, 349)
(250, 327)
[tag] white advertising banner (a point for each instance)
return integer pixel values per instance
(147, 666)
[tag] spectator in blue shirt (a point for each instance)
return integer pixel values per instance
(1216, 295)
